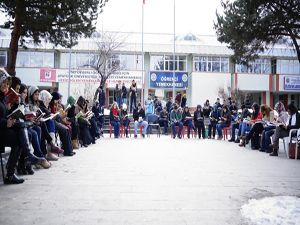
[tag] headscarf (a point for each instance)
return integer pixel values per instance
(45, 97)
(279, 107)
(56, 96)
(31, 90)
(3, 76)
(71, 100)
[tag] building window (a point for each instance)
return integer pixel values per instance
(3, 59)
(35, 59)
(259, 66)
(288, 67)
(126, 62)
(211, 64)
(167, 63)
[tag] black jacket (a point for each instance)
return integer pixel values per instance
(184, 115)
(124, 92)
(198, 116)
(137, 114)
(297, 125)
(3, 113)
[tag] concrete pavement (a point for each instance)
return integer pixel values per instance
(151, 181)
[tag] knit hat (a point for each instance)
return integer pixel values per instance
(3, 76)
(56, 96)
(32, 90)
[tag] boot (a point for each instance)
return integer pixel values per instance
(126, 132)
(24, 141)
(21, 170)
(13, 179)
(243, 142)
(275, 152)
(54, 148)
(75, 144)
(29, 169)
(45, 164)
(50, 156)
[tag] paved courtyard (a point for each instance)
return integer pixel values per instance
(152, 181)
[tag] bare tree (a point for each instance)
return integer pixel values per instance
(105, 61)
(237, 95)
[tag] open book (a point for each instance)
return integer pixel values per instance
(12, 97)
(30, 115)
(18, 113)
(39, 115)
(51, 116)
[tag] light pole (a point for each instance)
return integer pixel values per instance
(174, 61)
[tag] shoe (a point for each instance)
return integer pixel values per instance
(21, 170)
(56, 149)
(51, 157)
(209, 137)
(45, 164)
(237, 141)
(220, 138)
(274, 154)
(231, 140)
(29, 169)
(33, 159)
(135, 136)
(243, 143)
(13, 180)
(69, 154)
(127, 136)
(75, 144)
(143, 135)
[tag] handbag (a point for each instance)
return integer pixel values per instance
(292, 151)
(206, 121)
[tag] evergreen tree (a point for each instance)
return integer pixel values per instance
(251, 26)
(60, 22)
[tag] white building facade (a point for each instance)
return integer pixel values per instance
(202, 67)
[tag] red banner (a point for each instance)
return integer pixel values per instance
(47, 75)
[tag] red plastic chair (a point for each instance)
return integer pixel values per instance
(226, 130)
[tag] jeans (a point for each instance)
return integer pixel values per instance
(35, 141)
(50, 126)
(118, 99)
(132, 102)
(244, 128)
(164, 123)
(124, 101)
(266, 138)
(190, 126)
(180, 126)
(234, 126)
(220, 127)
(116, 125)
(125, 123)
(137, 125)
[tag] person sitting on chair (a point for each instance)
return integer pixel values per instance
(139, 120)
(282, 131)
(124, 118)
(187, 120)
(176, 117)
(224, 121)
(199, 121)
(163, 120)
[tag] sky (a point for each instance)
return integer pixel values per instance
(193, 16)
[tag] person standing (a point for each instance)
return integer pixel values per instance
(117, 95)
(115, 119)
(183, 101)
(124, 94)
(101, 100)
(133, 94)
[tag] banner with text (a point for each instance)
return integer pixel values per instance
(91, 76)
(165, 79)
(292, 83)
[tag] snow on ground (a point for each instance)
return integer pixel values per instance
(279, 210)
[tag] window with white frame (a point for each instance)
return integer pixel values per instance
(214, 64)
(125, 61)
(167, 63)
(259, 66)
(284, 66)
(35, 59)
(3, 58)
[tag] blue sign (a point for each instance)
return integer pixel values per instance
(292, 83)
(165, 79)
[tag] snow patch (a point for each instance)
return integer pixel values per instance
(279, 210)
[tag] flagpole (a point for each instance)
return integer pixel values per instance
(174, 57)
(143, 82)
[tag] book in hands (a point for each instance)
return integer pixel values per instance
(30, 115)
(12, 97)
(51, 116)
(18, 113)
(39, 115)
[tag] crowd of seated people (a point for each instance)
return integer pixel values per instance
(38, 128)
